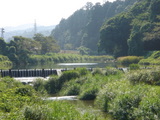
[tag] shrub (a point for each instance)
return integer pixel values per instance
(134, 66)
(112, 71)
(129, 59)
(68, 75)
(148, 109)
(98, 71)
(89, 94)
(52, 85)
(36, 113)
(73, 90)
(122, 107)
(151, 77)
(109, 92)
(39, 85)
(24, 91)
(82, 71)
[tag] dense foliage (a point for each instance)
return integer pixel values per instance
(20, 48)
(132, 32)
(5, 63)
(126, 96)
(82, 27)
(153, 59)
(22, 102)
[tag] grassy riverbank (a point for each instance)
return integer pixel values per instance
(130, 96)
(60, 58)
(22, 102)
(134, 95)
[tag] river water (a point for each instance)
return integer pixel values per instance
(66, 65)
(83, 106)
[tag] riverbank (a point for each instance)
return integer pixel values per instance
(20, 101)
(123, 95)
(129, 95)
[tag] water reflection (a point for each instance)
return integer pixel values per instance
(66, 65)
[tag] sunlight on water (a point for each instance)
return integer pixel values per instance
(68, 64)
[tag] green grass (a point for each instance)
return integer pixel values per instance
(126, 60)
(127, 101)
(22, 102)
(126, 96)
(59, 57)
(154, 59)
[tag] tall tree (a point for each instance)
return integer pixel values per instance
(48, 43)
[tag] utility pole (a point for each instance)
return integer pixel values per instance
(2, 32)
(35, 27)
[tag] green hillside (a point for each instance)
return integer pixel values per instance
(134, 32)
(82, 27)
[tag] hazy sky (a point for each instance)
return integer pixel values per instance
(46, 12)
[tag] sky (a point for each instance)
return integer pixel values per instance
(45, 12)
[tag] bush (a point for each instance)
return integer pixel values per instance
(98, 71)
(82, 71)
(73, 90)
(148, 109)
(129, 60)
(36, 113)
(89, 94)
(134, 67)
(122, 107)
(68, 75)
(151, 77)
(39, 85)
(52, 85)
(24, 91)
(112, 71)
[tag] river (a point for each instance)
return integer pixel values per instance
(66, 65)
(83, 105)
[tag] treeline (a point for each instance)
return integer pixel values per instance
(121, 28)
(82, 27)
(20, 48)
(134, 32)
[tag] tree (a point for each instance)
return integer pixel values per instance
(48, 43)
(83, 50)
(114, 35)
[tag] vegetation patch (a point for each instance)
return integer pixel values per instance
(5, 63)
(129, 60)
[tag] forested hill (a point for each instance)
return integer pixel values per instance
(82, 28)
(135, 32)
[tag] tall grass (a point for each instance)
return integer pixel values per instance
(22, 102)
(58, 58)
(151, 76)
(128, 101)
(126, 60)
(154, 59)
